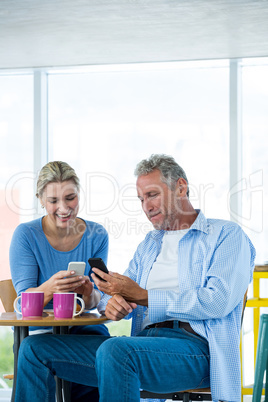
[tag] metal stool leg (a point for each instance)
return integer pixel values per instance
(261, 359)
(266, 385)
(66, 386)
(16, 352)
(63, 388)
(186, 397)
(59, 397)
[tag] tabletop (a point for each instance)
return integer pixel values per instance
(48, 320)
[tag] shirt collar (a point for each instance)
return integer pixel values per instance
(200, 224)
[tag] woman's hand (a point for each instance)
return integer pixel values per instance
(63, 281)
(85, 288)
(67, 281)
(91, 296)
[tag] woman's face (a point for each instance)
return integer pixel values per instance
(61, 201)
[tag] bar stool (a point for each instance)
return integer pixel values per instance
(261, 361)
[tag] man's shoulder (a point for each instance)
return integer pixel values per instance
(213, 226)
(222, 228)
(222, 223)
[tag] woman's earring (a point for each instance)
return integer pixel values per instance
(42, 206)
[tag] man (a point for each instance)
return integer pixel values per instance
(184, 290)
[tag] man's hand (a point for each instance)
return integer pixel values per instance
(117, 308)
(122, 285)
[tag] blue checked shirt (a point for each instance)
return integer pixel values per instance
(215, 266)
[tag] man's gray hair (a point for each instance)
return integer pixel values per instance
(168, 167)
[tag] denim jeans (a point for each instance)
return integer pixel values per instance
(158, 359)
(79, 392)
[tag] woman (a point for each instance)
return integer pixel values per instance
(41, 250)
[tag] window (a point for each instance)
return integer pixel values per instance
(16, 161)
(104, 122)
(16, 183)
(255, 168)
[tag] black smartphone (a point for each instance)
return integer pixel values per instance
(98, 263)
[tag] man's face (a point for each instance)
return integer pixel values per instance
(161, 205)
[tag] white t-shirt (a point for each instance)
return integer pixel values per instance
(164, 272)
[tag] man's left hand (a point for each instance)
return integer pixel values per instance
(120, 284)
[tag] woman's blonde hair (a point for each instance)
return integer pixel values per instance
(55, 172)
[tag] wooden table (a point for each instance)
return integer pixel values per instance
(60, 326)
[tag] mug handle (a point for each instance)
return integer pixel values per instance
(82, 307)
(15, 304)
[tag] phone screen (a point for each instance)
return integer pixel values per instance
(78, 267)
(98, 263)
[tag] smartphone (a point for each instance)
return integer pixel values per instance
(98, 263)
(78, 267)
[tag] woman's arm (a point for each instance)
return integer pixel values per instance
(25, 270)
(23, 264)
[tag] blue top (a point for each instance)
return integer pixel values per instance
(215, 266)
(33, 260)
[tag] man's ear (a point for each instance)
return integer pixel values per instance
(181, 187)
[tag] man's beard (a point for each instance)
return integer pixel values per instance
(168, 223)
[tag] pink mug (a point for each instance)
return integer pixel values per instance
(64, 305)
(32, 304)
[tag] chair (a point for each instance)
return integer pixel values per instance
(7, 294)
(201, 394)
(261, 361)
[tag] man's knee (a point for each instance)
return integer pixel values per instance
(106, 349)
(115, 350)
